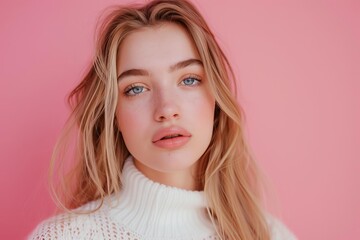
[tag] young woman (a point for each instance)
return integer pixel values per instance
(161, 151)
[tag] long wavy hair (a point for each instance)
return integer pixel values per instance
(226, 172)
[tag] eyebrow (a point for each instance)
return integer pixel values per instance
(176, 66)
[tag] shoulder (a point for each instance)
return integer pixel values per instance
(278, 230)
(71, 225)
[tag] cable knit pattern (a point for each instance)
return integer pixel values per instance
(143, 210)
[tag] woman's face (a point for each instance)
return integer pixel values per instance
(165, 110)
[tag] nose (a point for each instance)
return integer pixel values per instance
(166, 107)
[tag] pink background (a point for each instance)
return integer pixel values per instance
(298, 64)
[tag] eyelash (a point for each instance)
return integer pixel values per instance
(193, 77)
(130, 88)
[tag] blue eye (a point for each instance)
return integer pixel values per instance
(134, 90)
(190, 81)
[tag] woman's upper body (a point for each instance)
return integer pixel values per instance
(161, 90)
(143, 210)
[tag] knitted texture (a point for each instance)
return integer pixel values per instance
(99, 226)
(143, 210)
(93, 227)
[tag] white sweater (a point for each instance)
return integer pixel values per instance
(143, 210)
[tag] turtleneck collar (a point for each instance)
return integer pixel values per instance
(158, 211)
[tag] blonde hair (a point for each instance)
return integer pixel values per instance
(227, 172)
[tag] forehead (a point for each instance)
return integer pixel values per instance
(156, 47)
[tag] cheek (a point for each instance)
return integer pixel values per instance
(203, 117)
(205, 108)
(129, 123)
(129, 119)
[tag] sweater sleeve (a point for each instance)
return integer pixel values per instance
(278, 230)
(52, 228)
(65, 227)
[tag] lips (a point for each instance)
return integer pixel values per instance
(171, 137)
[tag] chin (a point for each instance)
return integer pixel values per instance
(172, 161)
